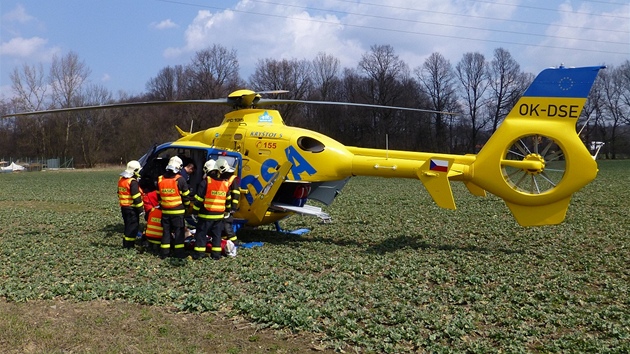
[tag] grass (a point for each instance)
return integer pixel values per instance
(392, 273)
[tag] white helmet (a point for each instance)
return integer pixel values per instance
(209, 166)
(223, 166)
(174, 164)
(133, 168)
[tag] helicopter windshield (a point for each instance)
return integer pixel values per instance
(232, 161)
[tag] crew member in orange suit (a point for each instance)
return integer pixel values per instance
(174, 199)
(130, 199)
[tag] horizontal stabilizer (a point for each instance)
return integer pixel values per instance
(181, 132)
(304, 210)
(434, 177)
(538, 215)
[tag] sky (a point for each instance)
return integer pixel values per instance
(125, 43)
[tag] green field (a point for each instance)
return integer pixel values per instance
(391, 273)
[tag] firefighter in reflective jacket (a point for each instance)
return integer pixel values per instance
(227, 173)
(209, 203)
(130, 198)
(173, 195)
(154, 230)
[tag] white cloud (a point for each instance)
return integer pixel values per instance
(22, 47)
(347, 30)
(584, 36)
(17, 15)
(166, 24)
(106, 77)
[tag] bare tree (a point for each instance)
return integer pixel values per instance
(326, 87)
(591, 120)
(506, 85)
(613, 104)
(473, 76)
(386, 74)
(67, 77)
(214, 72)
(436, 79)
(292, 75)
(624, 76)
(30, 88)
(168, 85)
(326, 70)
(92, 123)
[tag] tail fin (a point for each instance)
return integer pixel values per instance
(535, 161)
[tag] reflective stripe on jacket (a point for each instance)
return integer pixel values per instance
(235, 194)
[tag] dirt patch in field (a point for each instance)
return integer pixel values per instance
(118, 327)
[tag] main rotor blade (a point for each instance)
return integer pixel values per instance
(269, 101)
(222, 102)
(218, 102)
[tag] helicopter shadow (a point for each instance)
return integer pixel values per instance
(114, 230)
(388, 245)
(270, 236)
(416, 243)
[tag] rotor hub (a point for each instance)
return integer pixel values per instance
(535, 158)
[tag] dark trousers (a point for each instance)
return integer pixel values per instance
(228, 229)
(131, 218)
(213, 229)
(173, 223)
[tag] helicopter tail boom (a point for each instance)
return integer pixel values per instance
(535, 161)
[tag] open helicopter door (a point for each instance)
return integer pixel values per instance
(155, 161)
(262, 200)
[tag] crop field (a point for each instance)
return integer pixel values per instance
(392, 273)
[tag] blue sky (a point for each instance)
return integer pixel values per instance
(127, 42)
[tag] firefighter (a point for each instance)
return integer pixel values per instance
(209, 204)
(227, 174)
(130, 198)
(154, 230)
(173, 195)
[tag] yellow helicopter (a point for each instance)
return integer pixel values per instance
(535, 160)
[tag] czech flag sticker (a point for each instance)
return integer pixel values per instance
(439, 165)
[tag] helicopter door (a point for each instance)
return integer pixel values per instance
(262, 201)
(155, 165)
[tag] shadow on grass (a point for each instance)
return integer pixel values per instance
(388, 245)
(404, 242)
(112, 230)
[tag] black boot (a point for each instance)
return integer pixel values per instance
(199, 255)
(215, 255)
(128, 244)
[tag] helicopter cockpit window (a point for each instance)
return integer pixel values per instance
(307, 143)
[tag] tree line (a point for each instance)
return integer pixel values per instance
(482, 90)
